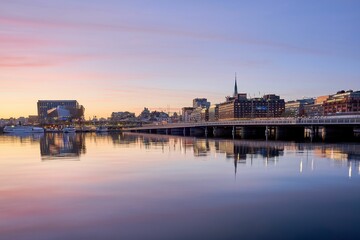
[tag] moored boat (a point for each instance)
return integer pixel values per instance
(23, 129)
(87, 129)
(102, 129)
(69, 129)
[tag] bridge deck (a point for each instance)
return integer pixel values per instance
(322, 121)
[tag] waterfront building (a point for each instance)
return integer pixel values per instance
(51, 110)
(296, 108)
(239, 106)
(316, 109)
(342, 102)
(59, 113)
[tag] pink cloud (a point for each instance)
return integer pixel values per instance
(10, 61)
(23, 42)
(51, 24)
(28, 22)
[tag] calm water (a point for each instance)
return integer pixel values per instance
(89, 186)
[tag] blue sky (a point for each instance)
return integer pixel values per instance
(126, 55)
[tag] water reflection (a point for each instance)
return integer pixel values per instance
(241, 149)
(21, 137)
(176, 188)
(241, 152)
(62, 146)
(247, 152)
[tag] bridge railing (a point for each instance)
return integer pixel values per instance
(352, 120)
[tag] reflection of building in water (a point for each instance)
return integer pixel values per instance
(201, 147)
(123, 139)
(340, 152)
(245, 152)
(61, 146)
(154, 142)
(239, 150)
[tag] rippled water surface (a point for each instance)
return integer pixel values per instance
(128, 186)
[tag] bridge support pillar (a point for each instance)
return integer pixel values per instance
(161, 131)
(289, 132)
(330, 133)
(251, 132)
(197, 132)
(186, 131)
(281, 133)
(267, 132)
(177, 131)
(222, 131)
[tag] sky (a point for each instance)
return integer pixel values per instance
(118, 55)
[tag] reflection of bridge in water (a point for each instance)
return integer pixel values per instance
(239, 149)
(247, 152)
(321, 128)
(240, 152)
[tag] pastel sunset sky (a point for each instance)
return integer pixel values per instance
(114, 55)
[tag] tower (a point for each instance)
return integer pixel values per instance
(235, 88)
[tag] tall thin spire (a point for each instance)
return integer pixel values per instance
(235, 87)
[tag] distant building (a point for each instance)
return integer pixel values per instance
(33, 119)
(342, 102)
(205, 114)
(122, 116)
(175, 118)
(154, 116)
(239, 106)
(214, 113)
(201, 102)
(198, 115)
(144, 115)
(59, 110)
(186, 113)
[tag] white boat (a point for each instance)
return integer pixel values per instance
(69, 129)
(23, 129)
(52, 130)
(102, 129)
(86, 129)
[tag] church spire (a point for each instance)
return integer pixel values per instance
(235, 88)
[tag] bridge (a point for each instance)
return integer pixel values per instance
(325, 128)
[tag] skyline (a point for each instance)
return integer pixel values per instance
(110, 56)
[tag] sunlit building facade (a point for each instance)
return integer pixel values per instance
(49, 110)
(214, 113)
(342, 102)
